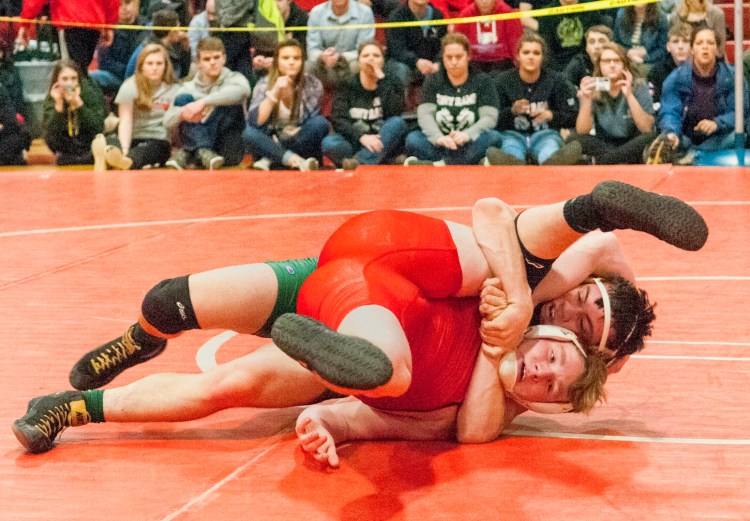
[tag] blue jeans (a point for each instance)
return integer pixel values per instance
(106, 80)
(260, 142)
(392, 133)
(223, 127)
(541, 144)
(471, 153)
(714, 143)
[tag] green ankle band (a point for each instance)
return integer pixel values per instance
(94, 404)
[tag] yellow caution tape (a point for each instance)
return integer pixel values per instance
(597, 5)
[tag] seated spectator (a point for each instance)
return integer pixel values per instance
(382, 8)
(678, 52)
(290, 15)
(74, 113)
(240, 45)
(113, 59)
(582, 63)
(414, 52)
(284, 125)
(698, 102)
(535, 103)
(642, 30)
(178, 6)
(200, 25)
(175, 41)
(622, 115)
(208, 112)
(701, 13)
(564, 33)
(493, 42)
(142, 101)
(332, 53)
(457, 113)
(366, 115)
(746, 70)
(14, 138)
(293, 16)
(11, 79)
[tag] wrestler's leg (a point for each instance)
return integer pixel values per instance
(368, 354)
(546, 231)
(264, 378)
(244, 298)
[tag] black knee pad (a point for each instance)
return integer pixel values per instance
(167, 307)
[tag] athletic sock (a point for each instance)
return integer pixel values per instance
(94, 404)
(581, 215)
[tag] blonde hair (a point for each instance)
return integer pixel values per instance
(588, 390)
(145, 90)
(683, 9)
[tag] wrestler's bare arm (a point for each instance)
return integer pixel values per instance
(485, 412)
(321, 427)
(494, 230)
(594, 254)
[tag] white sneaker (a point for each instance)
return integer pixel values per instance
(116, 159)
(98, 146)
(262, 164)
(309, 164)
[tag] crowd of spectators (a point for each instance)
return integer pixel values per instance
(644, 83)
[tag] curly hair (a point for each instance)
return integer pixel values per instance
(632, 316)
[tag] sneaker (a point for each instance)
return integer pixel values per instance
(110, 123)
(688, 158)
(98, 146)
(568, 154)
(415, 161)
(350, 163)
(47, 416)
(101, 365)
(262, 164)
(308, 164)
(116, 159)
(623, 206)
(345, 361)
(399, 160)
(496, 156)
(179, 160)
(659, 152)
(210, 159)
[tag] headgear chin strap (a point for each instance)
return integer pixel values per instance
(508, 368)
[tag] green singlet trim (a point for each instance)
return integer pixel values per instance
(290, 275)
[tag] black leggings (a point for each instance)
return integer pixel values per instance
(626, 151)
(144, 152)
(81, 44)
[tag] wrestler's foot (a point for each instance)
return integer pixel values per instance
(622, 206)
(344, 361)
(47, 416)
(101, 365)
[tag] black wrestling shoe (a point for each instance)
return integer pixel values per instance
(101, 365)
(345, 361)
(622, 206)
(47, 416)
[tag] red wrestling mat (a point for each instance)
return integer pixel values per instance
(79, 250)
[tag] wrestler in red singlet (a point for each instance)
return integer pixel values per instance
(408, 264)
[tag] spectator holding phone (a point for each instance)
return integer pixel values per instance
(617, 103)
(74, 112)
